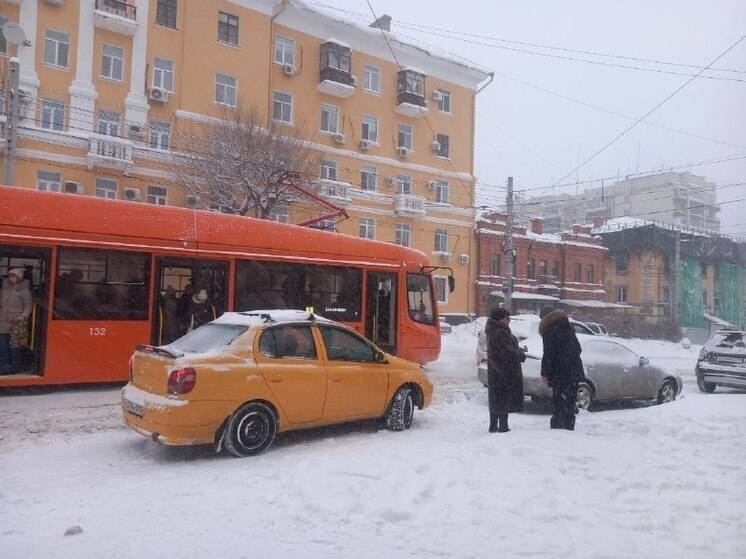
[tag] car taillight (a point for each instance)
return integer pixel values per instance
(181, 381)
(130, 365)
(702, 354)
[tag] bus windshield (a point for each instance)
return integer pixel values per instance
(420, 298)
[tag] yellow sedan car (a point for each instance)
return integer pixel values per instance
(241, 379)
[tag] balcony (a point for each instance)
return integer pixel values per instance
(109, 151)
(410, 98)
(337, 192)
(335, 75)
(408, 205)
(116, 16)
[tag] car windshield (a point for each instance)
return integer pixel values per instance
(728, 340)
(210, 337)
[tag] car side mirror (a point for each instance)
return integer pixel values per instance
(451, 284)
(644, 361)
(381, 357)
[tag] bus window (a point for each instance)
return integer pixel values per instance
(420, 298)
(380, 314)
(334, 292)
(101, 285)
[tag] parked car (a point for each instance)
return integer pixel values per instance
(238, 380)
(457, 318)
(722, 361)
(614, 372)
(445, 327)
(597, 328)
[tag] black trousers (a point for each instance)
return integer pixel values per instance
(563, 406)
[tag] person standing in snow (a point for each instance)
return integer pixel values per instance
(561, 366)
(504, 374)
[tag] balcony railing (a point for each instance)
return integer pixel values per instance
(338, 191)
(116, 16)
(109, 151)
(409, 205)
(118, 8)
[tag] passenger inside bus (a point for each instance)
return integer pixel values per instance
(15, 311)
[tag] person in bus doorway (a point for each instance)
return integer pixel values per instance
(201, 310)
(170, 315)
(561, 366)
(15, 309)
(504, 374)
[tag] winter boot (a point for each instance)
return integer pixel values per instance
(493, 423)
(502, 422)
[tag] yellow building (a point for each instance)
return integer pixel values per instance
(106, 83)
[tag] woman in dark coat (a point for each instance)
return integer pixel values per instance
(504, 375)
(561, 367)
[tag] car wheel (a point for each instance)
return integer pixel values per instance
(401, 411)
(584, 397)
(667, 392)
(703, 386)
(250, 430)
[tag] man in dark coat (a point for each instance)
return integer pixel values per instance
(504, 375)
(561, 366)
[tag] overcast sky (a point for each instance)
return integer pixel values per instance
(538, 137)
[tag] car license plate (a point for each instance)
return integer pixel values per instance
(134, 408)
(728, 359)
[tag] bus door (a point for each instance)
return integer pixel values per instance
(189, 293)
(380, 322)
(27, 339)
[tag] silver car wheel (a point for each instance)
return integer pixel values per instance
(667, 393)
(584, 397)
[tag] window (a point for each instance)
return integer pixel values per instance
(166, 13)
(101, 285)
(591, 274)
(441, 289)
(621, 294)
(367, 228)
(370, 129)
(108, 123)
(444, 102)
(112, 62)
(3, 42)
(621, 262)
(542, 269)
(411, 82)
(106, 188)
(403, 184)
(157, 195)
(56, 48)
(227, 28)
(342, 345)
(578, 273)
(328, 170)
(444, 148)
(405, 137)
(52, 114)
(284, 51)
(531, 268)
(336, 57)
(402, 233)
(441, 192)
(282, 107)
(368, 177)
(495, 265)
(280, 214)
(441, 240)
(332, 291)
(163, 74)
(420, 298)
(160, 135)
(329, 119)
(226, 90)
(371, 79)
(555, 269)
(48, 182)
(288, 342)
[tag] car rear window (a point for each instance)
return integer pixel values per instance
(727, 340)
(210, 337)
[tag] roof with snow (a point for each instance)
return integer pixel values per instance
(259, 317)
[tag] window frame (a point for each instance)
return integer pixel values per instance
(157, 195)
(495, 264)
(444, 141)
(164, 7)
(55, 108)
(108, 123)
(287, 45)
(442, 192)
(106, 189)
(57, 42)
(351, 334)
(439, 281)
(621, 293)
(411, 276)
(279, 327)
(401, 181)
(367, 228)
(163, 73)
(222, 88)
(402, 230)
(400, 134)
(158, 130)
(282, 104)
(330, 165)
(370, 71)
(369, 128)
(226, 29)
(368, 178)
(440, 240)
(329, 109)
(112, 64)
(50, 178)
(444, 100)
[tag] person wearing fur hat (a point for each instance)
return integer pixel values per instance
(561, 366)
(504, 374)
(200, 311)
(15, 309)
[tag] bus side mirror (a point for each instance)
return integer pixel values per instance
(451, 284)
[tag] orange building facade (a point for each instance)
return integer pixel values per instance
(106, 84)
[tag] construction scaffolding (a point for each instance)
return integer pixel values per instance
(691, 306)
(730, 289)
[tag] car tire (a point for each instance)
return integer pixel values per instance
(708, 387)
(667, 392)
(250, 430)
(401, 410)
(584, 398)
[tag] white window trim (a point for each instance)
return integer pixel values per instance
(283, 38)
(450, 102)
(400, 228)
(445, 289)
(375, 142)
(103, 55)
(157, 196)
(237, 44)
(378, 91)
(54, 65)
(367, 170)
(115, 190)
(411, 136)
(370, 225)
(51, 121)
(172, 71)
(321, 130)
(292, 109)
(225, 87)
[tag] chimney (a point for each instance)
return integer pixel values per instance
(598, 221)
(537, 225)
(383, 22)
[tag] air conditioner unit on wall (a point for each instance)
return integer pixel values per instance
(431, 185)
(192, 201)
(71, 187)
(404, 152)
(364, 145)
(463, 258)
(445, 257)
(158, 95)
(437, 95)
(132, 194)
(436, 147)
(339, 138)
(389, 181)
(289, 70)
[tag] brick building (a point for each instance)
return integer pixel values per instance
(548, 267)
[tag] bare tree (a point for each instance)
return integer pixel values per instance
(238, 165)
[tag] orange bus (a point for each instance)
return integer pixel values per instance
(108, 275)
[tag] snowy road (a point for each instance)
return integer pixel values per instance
(651, 481)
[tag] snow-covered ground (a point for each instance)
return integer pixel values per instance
(634, 481)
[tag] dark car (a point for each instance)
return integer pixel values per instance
(722, 361)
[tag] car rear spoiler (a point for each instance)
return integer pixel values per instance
(158, 351)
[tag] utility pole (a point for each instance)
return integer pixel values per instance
(675, 278)
(12, 102)
(508, 249)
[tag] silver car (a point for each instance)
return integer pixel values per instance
(614, 372)
(722, 361)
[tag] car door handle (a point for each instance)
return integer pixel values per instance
(336, 379)
(275, 380)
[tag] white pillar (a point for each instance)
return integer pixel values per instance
(136, 104)
(29, 79)
(82, 92)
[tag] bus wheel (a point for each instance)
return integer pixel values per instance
(401, 411)
(250, 430)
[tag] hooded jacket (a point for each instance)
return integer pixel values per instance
(504, 375)
(15, 303)
(561, 362)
